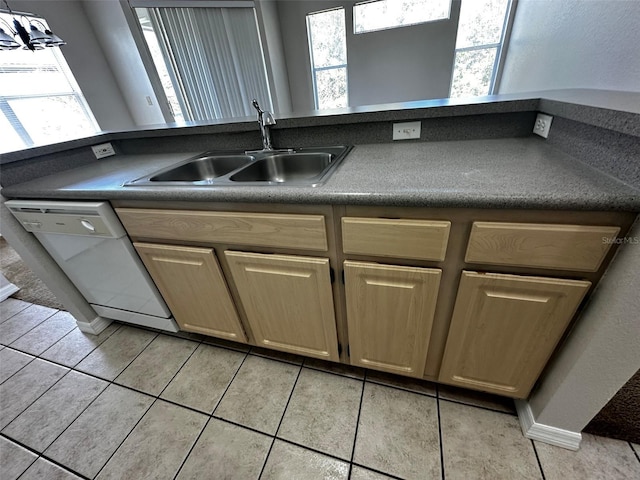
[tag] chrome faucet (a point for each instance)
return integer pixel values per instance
(265, 120)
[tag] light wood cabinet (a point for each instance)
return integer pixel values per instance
(420, 314)
(288, 302)
(193, 286)
(396, 237)
(389, 314)
(555, 246)
(300, 232)
(504, 328)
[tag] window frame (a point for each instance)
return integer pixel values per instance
(448, 17)
(500, 47)
(75, 92)
(315, 69)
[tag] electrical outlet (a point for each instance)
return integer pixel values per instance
(103, 150)
(406, 130)
(542, 125)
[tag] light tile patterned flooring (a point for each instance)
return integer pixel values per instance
(132, 403)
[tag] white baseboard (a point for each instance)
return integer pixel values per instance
(545, 433)
(96, 325)
(7, 291)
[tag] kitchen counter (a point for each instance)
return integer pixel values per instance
(496, 173)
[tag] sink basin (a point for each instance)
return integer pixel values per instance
(285, 167)
(204, 168)
(303, 166)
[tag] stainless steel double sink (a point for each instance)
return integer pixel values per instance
(302, 166)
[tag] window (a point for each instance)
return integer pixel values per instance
(209, 60)
(384, 14)
(328, 50)
(40, 101)
(478, 46)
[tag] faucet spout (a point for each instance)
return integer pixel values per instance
(265, 120)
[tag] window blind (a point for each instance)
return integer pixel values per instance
(214, 58)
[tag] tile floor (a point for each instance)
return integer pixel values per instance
(132, 403)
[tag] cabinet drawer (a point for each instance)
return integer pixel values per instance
(418, 239)
(566, 247)
(303, 232)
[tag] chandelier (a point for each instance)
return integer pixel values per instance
(32, 38)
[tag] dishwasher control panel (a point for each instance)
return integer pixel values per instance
(76, 219)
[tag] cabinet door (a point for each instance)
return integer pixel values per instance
(288, 302)
(504, 329)
(390, 313)
(192, 284)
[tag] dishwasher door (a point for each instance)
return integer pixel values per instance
(107, 271)
(88, 242)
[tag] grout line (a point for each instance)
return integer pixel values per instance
(209, 341)
(246, 427)
(14, 373)
(535, 450)
(478, 406)
(442, 472)
(77, 416)
(45, 457)
(88, 353)
(181, 366)
(275, 435)
(275, 359)
(317, 369)
(246, 355)
(39, 396)
(211, 415)
(374, 470)
(8, 318)
(315, 450)
(195, 442)
(32, 328)
(355, 434)
(404, 389)
(637, 454)
(125, 437)
(112, 382)
(135, 358)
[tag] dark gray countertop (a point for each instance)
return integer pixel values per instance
(497, 173)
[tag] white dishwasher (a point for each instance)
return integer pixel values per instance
(90, 245)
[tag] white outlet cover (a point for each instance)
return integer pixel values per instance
(542, 125)
(406, 130)
(103, 150)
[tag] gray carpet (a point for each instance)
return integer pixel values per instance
(620, 418)
(31, 287)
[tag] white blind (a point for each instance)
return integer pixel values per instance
(215, 58)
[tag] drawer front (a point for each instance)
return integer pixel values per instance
(565, 247)
(303, 232)
(418, 239)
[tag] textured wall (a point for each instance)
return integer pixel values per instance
(573, 44)
(109, 24)
(601, 354)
